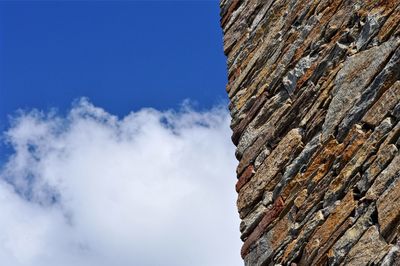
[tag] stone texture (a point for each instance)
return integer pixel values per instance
(255, 187)
(357, 72)
(340, 249)
(314, 90)
(384, 179)
(388, 206)
(384, 104)
(369, 248)
(322, 234)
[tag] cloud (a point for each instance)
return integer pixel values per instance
(88, 188)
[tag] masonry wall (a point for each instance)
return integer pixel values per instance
(315, 104)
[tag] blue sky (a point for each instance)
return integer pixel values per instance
(127, 175)
(121, 55)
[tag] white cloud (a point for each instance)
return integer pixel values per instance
(152, 188)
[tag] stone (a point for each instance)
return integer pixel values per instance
(300, 161)
(357, 72)
(254, 188)
(245, 177)
(321, 257)
(384, 104)
(314, 90)
(384, 179)
(268, 218)
(342, 210)
(370, 247)
(252, 220)
(340, 249)
(392, 258)
(371, 26)
(388, 205)
(347, 174)
(389, 74)
(384, 156)
(295, 247)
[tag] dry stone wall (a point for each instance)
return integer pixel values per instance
(314, 87)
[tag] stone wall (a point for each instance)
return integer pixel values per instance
(315, 104)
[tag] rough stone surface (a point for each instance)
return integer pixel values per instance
(371, 247)
(314, 90)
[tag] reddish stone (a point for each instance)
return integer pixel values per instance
(245, 177)
(269, 217)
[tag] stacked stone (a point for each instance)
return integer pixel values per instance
(315, 103)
